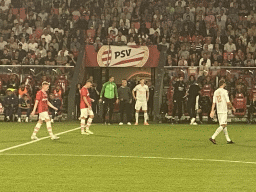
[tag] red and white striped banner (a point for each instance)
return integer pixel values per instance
(122, 56)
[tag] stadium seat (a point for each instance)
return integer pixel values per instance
(239, 103)
(207, 91)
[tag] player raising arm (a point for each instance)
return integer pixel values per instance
(86, 108)
(41, 104)
(221, 101)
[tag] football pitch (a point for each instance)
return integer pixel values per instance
(158, 157)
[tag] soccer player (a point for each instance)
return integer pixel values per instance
(41, 104)
(108, 94)
(86, 108)
(221, 100)
(142, 95)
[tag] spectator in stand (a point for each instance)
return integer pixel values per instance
(10, 105)
(75, 45)
(230, 47)
(56, 102)
(113, 28)
(49, 60)
(24, 106)
(131, 41)
(183, 52)
(13, 82)
(206, 60)
(41, 50)
(61, 59)
(5, 58)
(97, 45)
(122, 37)
(2, 43)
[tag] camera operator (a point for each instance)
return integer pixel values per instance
(24, 105)
(10, 105)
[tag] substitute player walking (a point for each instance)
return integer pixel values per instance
(221, 100)
(142, 95)
(41, 104)
(86, 108)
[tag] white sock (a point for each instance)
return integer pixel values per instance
(137, 117)
(82, 124)
(192, 120)
(225, 130)
(145, 117)
(217, 132)
(49, 128)
(36, 129)
(89, 122)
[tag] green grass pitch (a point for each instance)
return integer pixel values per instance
(158, 157)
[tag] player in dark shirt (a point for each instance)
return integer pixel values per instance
(24, 105)
(56, 102)
(193, 92)
(178, 97)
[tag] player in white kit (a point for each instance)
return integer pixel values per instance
(221, 101)
(142, 95)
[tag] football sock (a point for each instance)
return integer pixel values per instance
(192, 120)
(217, 132)
(145, 117)
(225, 130)
(36, 129)
(82, 124)
(89, 122)
(137, 117)
(49, 128)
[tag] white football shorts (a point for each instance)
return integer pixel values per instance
(44, 115)
(222, 117)
(141, 104)
(85, 112)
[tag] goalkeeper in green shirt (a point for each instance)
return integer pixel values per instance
(108, 95)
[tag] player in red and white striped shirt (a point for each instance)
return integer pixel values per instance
(86, 108)
(41, 104)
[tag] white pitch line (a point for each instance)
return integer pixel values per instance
(40, 139)
(131, 157)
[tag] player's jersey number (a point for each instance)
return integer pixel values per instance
(218, 98)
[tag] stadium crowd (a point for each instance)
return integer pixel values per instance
(205, 34)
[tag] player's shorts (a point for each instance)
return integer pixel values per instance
(141, 104)
(222, 117)
(85, 112)
(44, 115)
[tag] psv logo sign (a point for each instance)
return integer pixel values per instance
(125, 56)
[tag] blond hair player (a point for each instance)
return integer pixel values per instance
(41, 104)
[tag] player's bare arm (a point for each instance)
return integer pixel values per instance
(87, 103)
(230, 106)
(35, 106)
(147, 93)
(133, 94)
(50, 105)
(213, 110)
